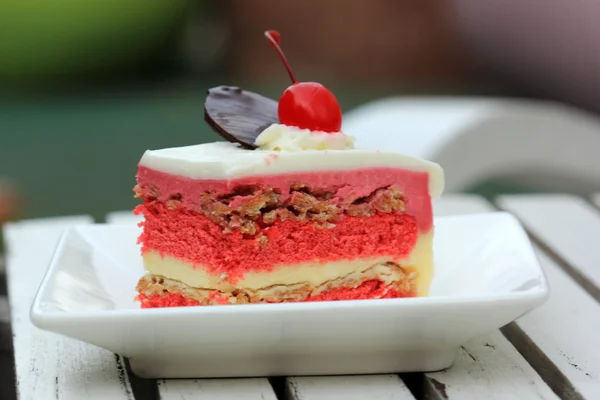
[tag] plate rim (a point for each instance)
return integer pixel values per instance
(43, 318)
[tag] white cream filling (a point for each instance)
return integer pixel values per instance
(279, 137)
(226, 161)
(314, 274)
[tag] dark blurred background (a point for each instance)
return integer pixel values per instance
(86, 87)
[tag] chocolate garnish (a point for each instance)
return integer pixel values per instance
(237, 115)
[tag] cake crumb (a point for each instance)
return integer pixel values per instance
(262, 240)
(323, 225)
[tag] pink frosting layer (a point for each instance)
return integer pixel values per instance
(355, 183)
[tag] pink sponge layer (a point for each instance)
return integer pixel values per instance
(190, 236)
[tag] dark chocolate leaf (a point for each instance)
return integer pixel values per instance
(237, 115)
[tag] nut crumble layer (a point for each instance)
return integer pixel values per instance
(391, 274)
(250, 207)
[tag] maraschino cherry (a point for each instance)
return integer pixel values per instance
(306, 105)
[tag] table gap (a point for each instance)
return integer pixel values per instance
(279, 386)
(3, 287)
(415, 382)
(7, 376)
(549, 372)
(3, 282)
(7, 362)
(142, 388)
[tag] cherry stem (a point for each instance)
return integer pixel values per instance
(273, 38)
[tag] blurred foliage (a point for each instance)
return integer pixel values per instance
(43, 40)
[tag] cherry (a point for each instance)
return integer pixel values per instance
(306, 105)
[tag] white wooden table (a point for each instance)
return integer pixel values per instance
(550, 353)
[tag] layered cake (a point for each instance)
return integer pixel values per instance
(287, 210)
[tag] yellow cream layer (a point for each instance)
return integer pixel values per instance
(420, 260)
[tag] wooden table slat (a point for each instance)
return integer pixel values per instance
(569, 226)
(222, 389)
(565, 329)
(358, 387)
(488, 368)
(50, 366)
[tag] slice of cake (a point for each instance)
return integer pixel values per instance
(287, 211)
(224, 225)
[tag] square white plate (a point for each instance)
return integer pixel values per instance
(486, 276)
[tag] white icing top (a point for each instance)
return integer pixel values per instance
(279, 137)
(223, 160)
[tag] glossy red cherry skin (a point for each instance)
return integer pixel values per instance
(310, 105)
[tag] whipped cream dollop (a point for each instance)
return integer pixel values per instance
(279, 137)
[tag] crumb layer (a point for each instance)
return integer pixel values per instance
(316, 196)
(248, 209)
(380, 281)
